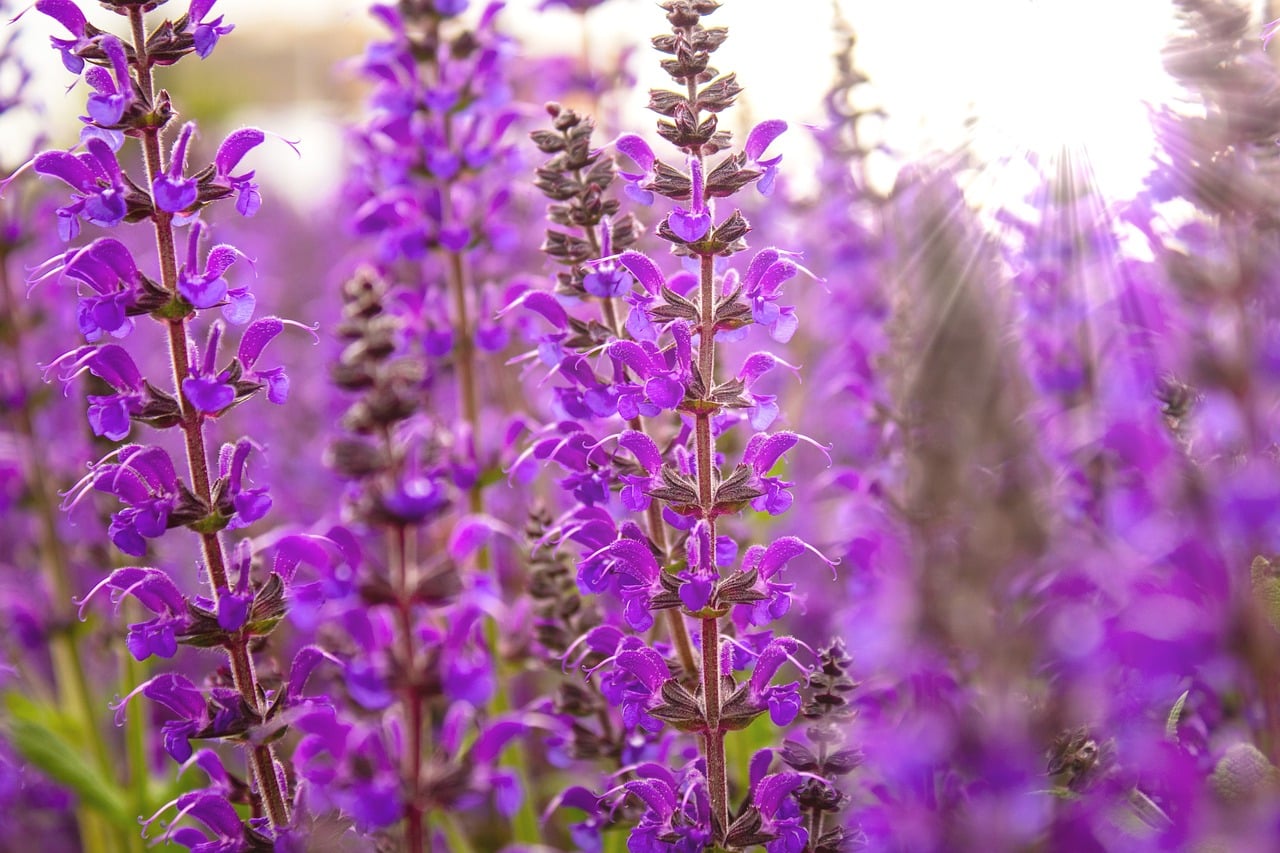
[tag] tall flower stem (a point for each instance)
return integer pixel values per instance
(468, 390)
(415, 821)
(704, 448)
(262, 757)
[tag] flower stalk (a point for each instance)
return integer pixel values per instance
(262, 756)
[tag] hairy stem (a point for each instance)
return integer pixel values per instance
(261, 757)
(411, 770)
(705, 452)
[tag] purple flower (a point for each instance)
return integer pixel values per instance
(764, 409)
(605, 279)
(208, 390)
(144, 480)
(677, 816)
(640, 152)
(758, 141)
(212, 392)
(206, 288)
(109, 415)
(638, 576)
(249, 504)
(99, 185)
(762, 284)
(180, 696)
(762, 453)
(225, 833)
(107, 268)
(768, 562)
(783, 701)
(113, 95)
(67, 13)
(228, 156)
(205, 33)
(171, 190)
(692, 225)
(156, 591)
(779, 814)
(662, 378)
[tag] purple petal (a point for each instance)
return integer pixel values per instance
(65, 12)
(646, 665)
(177, 694)
(637, 149)
(664, 391)
(233, 610)
(690, 227)
(644, 269)
(207, 394)
(304, 662)
(643, 448)
(761, 136)
(256, 337)
(234, 147)
(695, 593)
(66, 167)
(174, 194)
(546, 305)
(771, 790)
(202, 292)
(489, 745)
(785, 549)
(633, 356)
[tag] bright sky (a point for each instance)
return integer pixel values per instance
(1035, 74)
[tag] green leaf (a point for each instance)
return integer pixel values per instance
(57, 757)
(1175, 714)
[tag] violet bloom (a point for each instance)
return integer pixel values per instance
(758, 141)
(762, 453)
(144, 480)
(110, 414)
(639, 151)
(156, 591)
(692, 225)
(677, 816)
(228, 156)
(248, 504)
(211, 391)
(113, 90)
(171, 190)
(205, 33)
(98, 181)
(783, 700)
(207, 288)
(187, 703)
(67, 13)
(115, 285)
(769, 562)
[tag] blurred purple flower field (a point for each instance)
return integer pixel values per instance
(536, 475)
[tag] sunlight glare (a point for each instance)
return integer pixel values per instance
(1073, 77)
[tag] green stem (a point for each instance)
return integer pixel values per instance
(137, 767)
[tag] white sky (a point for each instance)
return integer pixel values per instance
(1035, 72)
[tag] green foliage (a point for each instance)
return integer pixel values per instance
(47, 739)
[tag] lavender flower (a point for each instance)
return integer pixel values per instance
(239, 610)
(682, 486)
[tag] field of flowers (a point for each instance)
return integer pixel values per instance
(568, 480)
